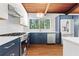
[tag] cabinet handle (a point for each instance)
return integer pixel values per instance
(9, 46)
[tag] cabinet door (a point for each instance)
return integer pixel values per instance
(13, 52)
(50, 38)
(4, 10)
(8, 47)
(58, 38)
(43, 38)
(38, 38)
(35, 38)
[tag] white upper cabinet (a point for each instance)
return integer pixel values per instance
(3, 11)
(18, 10)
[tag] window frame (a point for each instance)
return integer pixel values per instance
(39, 23)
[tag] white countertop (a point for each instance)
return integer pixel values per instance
(23, 37)
(6, 39)
(74, 40)
(43, 32)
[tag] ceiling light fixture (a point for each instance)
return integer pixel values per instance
(40, 15)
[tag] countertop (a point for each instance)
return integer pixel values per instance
(45, 32)
(6, 39)
(74, 40)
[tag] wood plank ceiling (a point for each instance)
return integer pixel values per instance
(52, 7)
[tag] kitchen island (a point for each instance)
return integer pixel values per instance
(70, 46)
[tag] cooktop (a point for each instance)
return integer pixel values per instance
(13, 34)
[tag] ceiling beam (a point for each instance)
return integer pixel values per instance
(46, 9)
(72, 8)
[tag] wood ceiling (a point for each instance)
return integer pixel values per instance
(52, 7)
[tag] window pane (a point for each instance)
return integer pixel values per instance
(34, 24)
(41, 24)
(47, 24)
(31, 24)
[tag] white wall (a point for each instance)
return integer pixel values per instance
(8, 26)
(50, 16)
(12, 24)
(21, 10)
(4, 10)
(3, 27)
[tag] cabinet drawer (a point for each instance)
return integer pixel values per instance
(9, 46)
(13, 52)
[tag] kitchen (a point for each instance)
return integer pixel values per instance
(38, 29)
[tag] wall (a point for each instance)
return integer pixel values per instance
(74, 17)
(74, 28)
(11, 25)
(4, 10)
(14, 23)
(48, 16)
(3, 27)
(70, 17)
(21, 11)
(76, 25)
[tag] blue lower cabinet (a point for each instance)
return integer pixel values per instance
(58, 38)
(38, 38)
(43, 37)
(13, 52)
(10, 48)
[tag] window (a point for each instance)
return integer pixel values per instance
(47, 24)
(34, 24)
(39, 23)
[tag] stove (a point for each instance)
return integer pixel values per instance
(12, 34)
